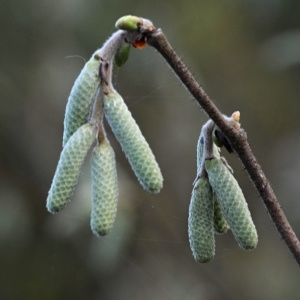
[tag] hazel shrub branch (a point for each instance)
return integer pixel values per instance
(217, 202)
(237, 139)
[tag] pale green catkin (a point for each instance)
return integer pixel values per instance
(81, 97)
(104, 189)
(200, 222)
(133, 143)
(68, 168)
(232, 202)
(220, 224)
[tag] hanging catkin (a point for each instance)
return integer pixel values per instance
(68, 168)
(81, 97)
(133, 142)
(220, 224)
(104, 189)
(200, 222)
(232, 202)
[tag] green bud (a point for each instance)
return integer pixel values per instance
(220, 224)
(122, 55)
(129, 23)
(104, 189)
(81, 97)
(200, 222)
(232, 202)
(133, 142)
(68, 168)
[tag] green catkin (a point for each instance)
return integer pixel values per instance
(200, 222)
(68, 168)
(104, 189)
(133, 143)
(232, 202)
(81, 97)
(220, 224)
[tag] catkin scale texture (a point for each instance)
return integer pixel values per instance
(200, 222)
(220, 224)
(81, 97)
(104, 189)
(133, 143)
(68, 168)
(232, 202)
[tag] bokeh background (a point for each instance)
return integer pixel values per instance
(247, 56)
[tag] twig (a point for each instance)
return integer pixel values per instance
(237, 138)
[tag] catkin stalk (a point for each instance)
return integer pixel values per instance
(68, 168)
(200, 154)
(104, 189)
(232, 202)
(200, 222)
(133, 143)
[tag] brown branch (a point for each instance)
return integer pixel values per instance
(237, 139)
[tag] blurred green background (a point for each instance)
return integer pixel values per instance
(247, 56)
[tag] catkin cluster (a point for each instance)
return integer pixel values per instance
(217, 203)
(93, 97)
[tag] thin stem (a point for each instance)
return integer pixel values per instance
(208, 148)
(236, 137)
(106, 56)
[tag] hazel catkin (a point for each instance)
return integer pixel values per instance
(232, 202)
(200, 222)
(104, 189)
(68, 168)
(81, 97)
(133, 142)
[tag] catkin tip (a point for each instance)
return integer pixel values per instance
(154, 189)
(53, 209)
(203, 260)
(99, 233)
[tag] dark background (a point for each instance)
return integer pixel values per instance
(245, 53)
